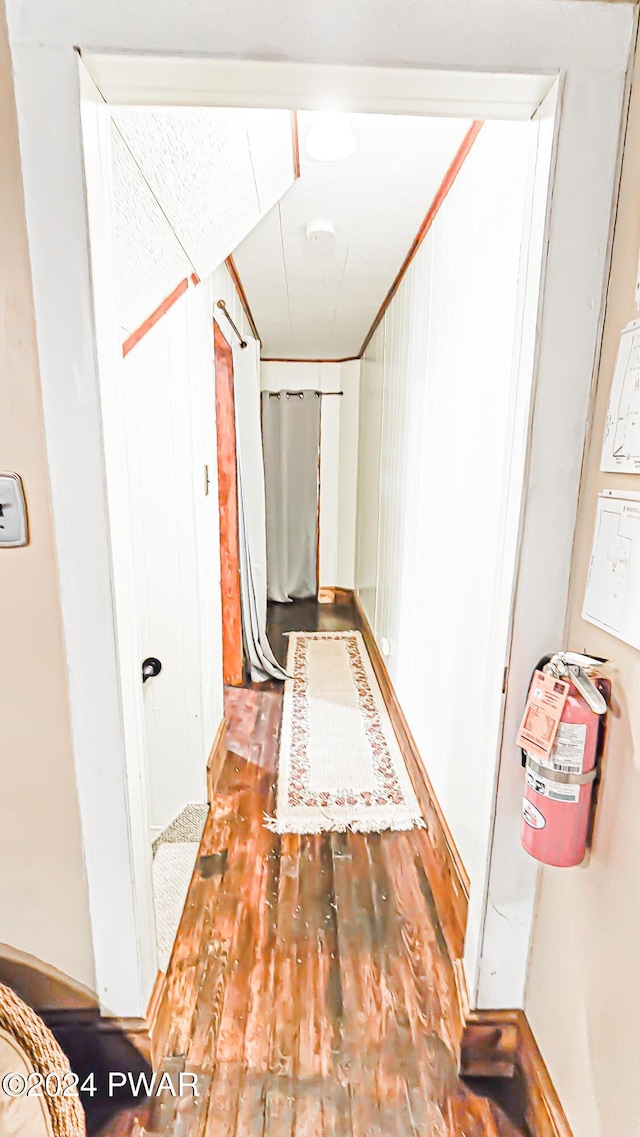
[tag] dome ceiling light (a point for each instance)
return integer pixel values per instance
(331, 138)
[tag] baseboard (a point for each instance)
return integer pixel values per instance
(544, 1113)
(216, 760)
(490, 1044)
(498, 1044)
(336, 596)
(155, 1002)
(449, 880)
(92, 1025)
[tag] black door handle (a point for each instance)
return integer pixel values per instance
(150, 667)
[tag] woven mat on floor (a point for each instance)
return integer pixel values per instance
(340, 766)
(174, 856)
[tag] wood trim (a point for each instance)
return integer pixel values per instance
(232, 659)
(543, 1112)
(443, 190)
(216, 759)
(490, 1044)
(242, 296)
(152, 320)
(90, 1023)
(502, 1044)
(451, 888)
(296, 144)
(336, 596)
(155, 1002)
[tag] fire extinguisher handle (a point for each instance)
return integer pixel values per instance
(587, 688)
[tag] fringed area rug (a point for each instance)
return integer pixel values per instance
(340, 766)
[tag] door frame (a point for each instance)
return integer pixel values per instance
(232, 653)
(55, 176)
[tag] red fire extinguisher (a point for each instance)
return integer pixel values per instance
(562, 735)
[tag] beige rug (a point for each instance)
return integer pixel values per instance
(340, 766)
(175, 853)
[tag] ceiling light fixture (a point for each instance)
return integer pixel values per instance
(331, 138)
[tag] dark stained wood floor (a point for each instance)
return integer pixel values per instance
(310, 986)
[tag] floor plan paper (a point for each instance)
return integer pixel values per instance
(612, 597)
(621, 442)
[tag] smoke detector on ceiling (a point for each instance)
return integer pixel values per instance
(320, 231)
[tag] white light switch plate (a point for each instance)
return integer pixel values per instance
(13, 512)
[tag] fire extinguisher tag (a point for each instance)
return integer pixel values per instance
(545, 704)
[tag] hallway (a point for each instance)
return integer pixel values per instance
(310, 987)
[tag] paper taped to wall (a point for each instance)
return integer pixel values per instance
(621, 442)
(612, 597)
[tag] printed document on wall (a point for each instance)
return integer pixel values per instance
(621, 443)
(612, 597)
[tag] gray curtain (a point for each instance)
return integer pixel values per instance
(291, 441)
(251, 514)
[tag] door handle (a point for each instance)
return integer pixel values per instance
(150, 667)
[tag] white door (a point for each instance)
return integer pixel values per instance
(160, 445)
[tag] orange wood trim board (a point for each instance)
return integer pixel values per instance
(242, 296)
(501, 1043)
(543, 1111)
(335, 595)
(296, 143)
(443, 190)
(216, 759)
(150, 322)
(228, 507)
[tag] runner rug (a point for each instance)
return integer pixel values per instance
(340, 766)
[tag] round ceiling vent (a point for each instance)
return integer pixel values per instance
(321, 231)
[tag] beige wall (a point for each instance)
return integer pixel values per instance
(43, 892)
(583, 989)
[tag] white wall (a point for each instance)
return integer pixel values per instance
(583, 985)
(338, 457)
(437, 401)
(587, 44)
(40, 828)
(168, 379)
(189, 183)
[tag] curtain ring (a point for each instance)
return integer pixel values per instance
(301, 394)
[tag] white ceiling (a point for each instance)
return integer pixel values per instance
(188, 184)
(313, 301)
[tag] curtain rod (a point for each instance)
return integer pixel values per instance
(221, 304)
(300, 394)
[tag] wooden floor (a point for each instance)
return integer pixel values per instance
(310, 987)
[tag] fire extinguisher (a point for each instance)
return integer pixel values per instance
(556, 807)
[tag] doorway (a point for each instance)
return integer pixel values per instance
(523, 408)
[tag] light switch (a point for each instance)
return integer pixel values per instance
(13, 512)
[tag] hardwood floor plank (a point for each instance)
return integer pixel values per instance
(311, 985)
(284, 1026)
(360, 1025)
(279, 1115)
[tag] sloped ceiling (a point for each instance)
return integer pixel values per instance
(317, 301)
(188, 184)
